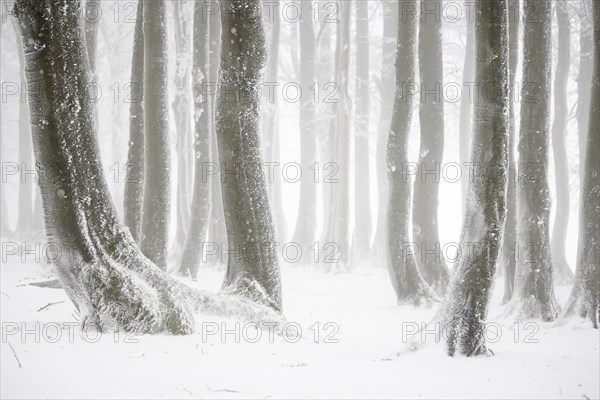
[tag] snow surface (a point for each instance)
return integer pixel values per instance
(564, 363)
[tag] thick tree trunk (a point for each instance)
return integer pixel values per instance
(510, 229)
(563, 274)
(386, 98)
(466, 306)
(362, 192)
(426, 186)
(534, 280)
(111, 283)
(252, 265)
(584, 78)
(307, 208)
(181, 111)
(466, 107)
(198, 227)
(585, 296)
(134, 182)
(406, 279)
(157, 196)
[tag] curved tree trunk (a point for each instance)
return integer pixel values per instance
(426, 185)
(406, 279)
(134, 182)
(466, 306)
(510, 229)
(157, 196)
(563, 274)
(585, 296)
(534, 280)
(466, 108)
(111, 283)
(198, 227)
(307, 207)
(252, 264)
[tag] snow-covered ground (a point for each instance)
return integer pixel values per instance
(352, 332)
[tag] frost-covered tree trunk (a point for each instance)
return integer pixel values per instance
(181, 111)
(585, 296)
(431, 115)
(272, 129)
(25, 216)
(157, 196)
(362, 206)
(307, 207)
(134, 184)
(406, 279)
(563, 274)
(198, 226)
(534, 280)
(586, 52)
(386, 98)
(467, 301)
(105, 275)
(510, 228)
(466, 106)
(252, 264)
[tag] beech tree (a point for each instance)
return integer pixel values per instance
(105, 275)
(466, 106)
(406, 279)
(467, 301)
(534, 280)
(585, 296)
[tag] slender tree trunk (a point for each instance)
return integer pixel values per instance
(466, 106)
(584, 78)
(362, 192)
(196, 237)
(466, 306)
(386, 98)
(182, 113)
(307, 211)
(534, 280)
(426, 185)
(510, 229)
(252, 265)
(406, 279)
(134, 182)
(157, 197)
(585, 296)
(563, 273)
(111, 283)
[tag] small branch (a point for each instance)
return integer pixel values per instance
(15, 354)
(221, 390)
(48, 305)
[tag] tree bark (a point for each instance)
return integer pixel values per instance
(584, 78)
(252, 265)
(134, 181)
(198, 227)
(585, 296)
(426, 186)
(534, 281)
(362, 191)
(466, 107)
(157, 196)
(409, 285)
(466, 306)
(563, 273)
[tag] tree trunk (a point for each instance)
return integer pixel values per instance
(510, 229)
(307, 211)
(426, 185)
(196, 237)
(563, 273)
(362, 192)
(134, 182)
(466, 108)
(584, 78)
(406, 279)
(157, 196)
(182, 113)
(111, 283)
(585, 296)
(386, 98)
(466, 306)
(534, 280)
(252, 265)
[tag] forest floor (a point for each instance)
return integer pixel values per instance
(351, 335)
